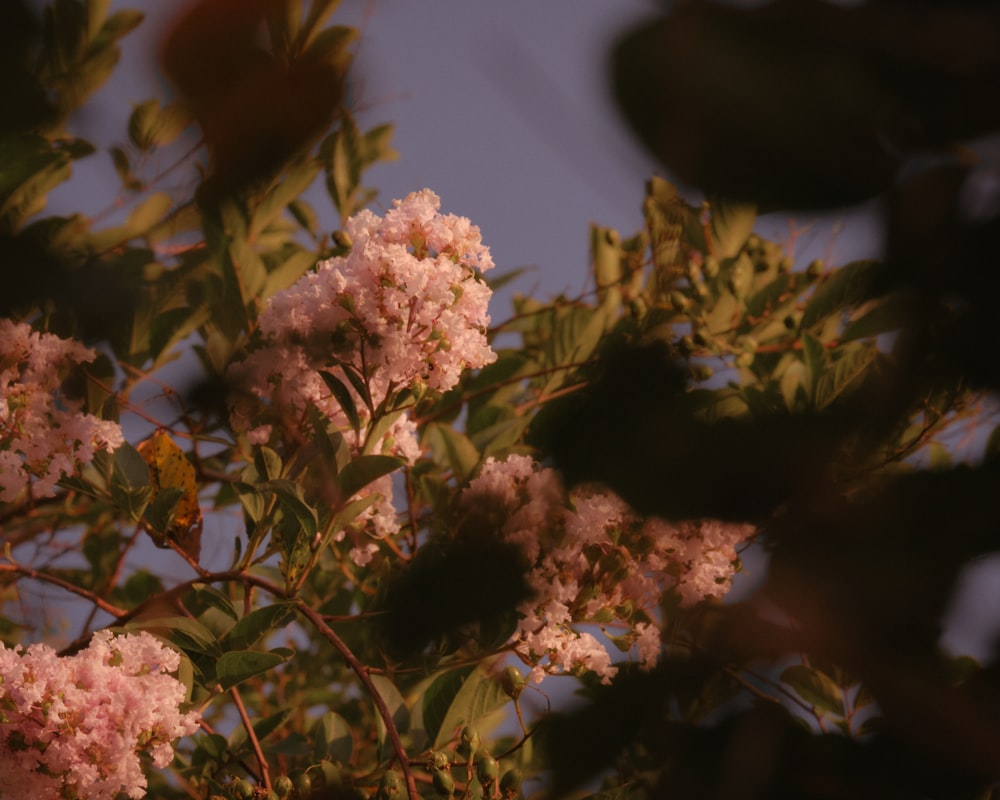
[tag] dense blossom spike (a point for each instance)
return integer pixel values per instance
(405, 309)
(44, 436)
(594, 560)
(76, 726)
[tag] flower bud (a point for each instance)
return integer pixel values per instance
(283, 785)
(391, 785)
(242, 789)
(438, 760)
(303, 785)
(444, 784)
(510, 783)
(487, 770)
(513, 682)
(468, 741)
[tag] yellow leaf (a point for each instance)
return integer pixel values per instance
(169, 468)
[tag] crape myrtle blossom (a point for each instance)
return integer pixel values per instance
(44, 436)
(594, 560)
(406, 308)
(75, 727)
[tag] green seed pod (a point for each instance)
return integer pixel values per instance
(303, 786)
(391, 785)
(510, 783)
(468, 741)
(444, 784)
(687, 344)
(487, 770)
(270, 794)
(785, 264)
(242, 789)
(283, 785)
(513, 682)
(815, 268)
(438, 760)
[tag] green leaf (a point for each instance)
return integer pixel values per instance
(189, 634)
(289, 271)
(815, 688)
(364, 469)
(397, 708)
(237, 665)
(730, 224)
(290, 500)
(344, 397)
(130, 470)
(293, 183)
(330, 45)
(886, 316)
(479, 697)
(148, 213)
(453, 448)
(852, 361)
(130, 487)
(438, 699)
(332, 738)
(262, 728)
(848, 286)
(268, 463)
(258, 624)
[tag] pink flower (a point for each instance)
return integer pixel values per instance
(596, 562)
(44, 436)
(75, 726)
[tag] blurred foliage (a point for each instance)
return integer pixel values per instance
(705, 375)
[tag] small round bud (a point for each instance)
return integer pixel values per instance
(438, 759)
(391, 785)
(513, 682)
(468, 741)
(487, 769)
(510, 783)
(270, 794)
(303, 785)
(711, 267)
(444, 784)
(242, 789)
(744, 360)
(283, 785)
(815, 268)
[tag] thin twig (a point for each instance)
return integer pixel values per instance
(265, 772)
(104, 605)
(362, 672)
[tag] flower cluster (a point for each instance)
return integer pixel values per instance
(594, 560)
(43, 434)
(405, 309)
(76, 726)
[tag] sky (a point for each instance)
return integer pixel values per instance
(503, 109)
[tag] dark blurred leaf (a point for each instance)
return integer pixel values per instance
(475, 577)
(802, 103)
(256, 109)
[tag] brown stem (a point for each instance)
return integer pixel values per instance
(104, 605)
(265, 772)
(362, 672)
